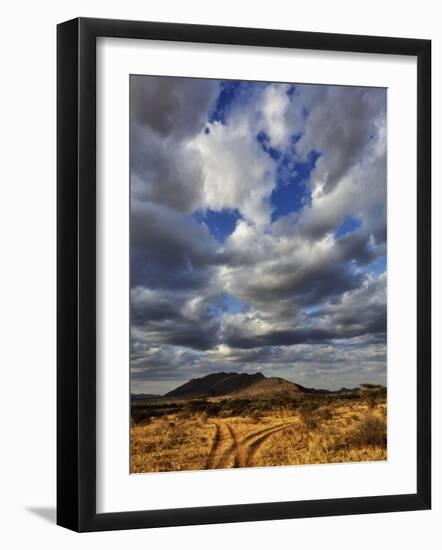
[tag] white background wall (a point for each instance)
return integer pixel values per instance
(27, 273)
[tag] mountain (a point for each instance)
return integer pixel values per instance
(232, 384)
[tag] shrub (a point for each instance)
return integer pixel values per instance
(308, 418)
(371, 431)
(324, 414)
(371, 400)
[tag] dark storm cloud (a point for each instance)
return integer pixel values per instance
(364, 309)
(356, 313)
(155, 306)
(308, 286)
(176, 317)
(180, 331)
(372, 345)
(349, 329)
(162, 363)
(169, 248)
(164, 112)
(303, 280)
(184, 335)
(172, 106)
(312, 283)
(164, 172)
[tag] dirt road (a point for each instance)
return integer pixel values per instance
(231, 451)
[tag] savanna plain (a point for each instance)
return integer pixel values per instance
(256, 421)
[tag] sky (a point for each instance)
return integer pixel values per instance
(258, 232)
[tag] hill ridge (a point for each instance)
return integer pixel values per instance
(233, 384)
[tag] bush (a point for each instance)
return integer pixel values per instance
(371, 400)
(371, 431)
(324, 414)
(140, 418)
(308, 418)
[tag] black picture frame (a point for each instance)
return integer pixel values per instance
(76, 274)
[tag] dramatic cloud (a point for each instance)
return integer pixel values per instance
(165, 113)
(169, 248)
(258, 231)
(237, 173)
(341, 124)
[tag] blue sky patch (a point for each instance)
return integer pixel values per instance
(292, 193)
(232, 305)
(221, 223)
(227, 95)
(226, 304)
(312, 310)
(349, 225)
(231, 91)
(378, 266)
(264, 140)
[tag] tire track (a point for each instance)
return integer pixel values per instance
(231, 452)
(217, 457)
(214, 449)
(238, 452)
(245, 442)
(252, 436)
(255, 444)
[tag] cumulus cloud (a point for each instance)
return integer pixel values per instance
(237, 173)
(165, 112)
(341, 124)
(301, 294)
(276, 111)
(171, 107)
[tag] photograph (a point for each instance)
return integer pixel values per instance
(257, 274)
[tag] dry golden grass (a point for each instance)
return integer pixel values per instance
(169, 443)
(352, 434)
(312, 431)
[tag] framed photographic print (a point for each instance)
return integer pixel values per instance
(243, 274)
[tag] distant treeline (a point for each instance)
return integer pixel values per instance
(142, 411)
